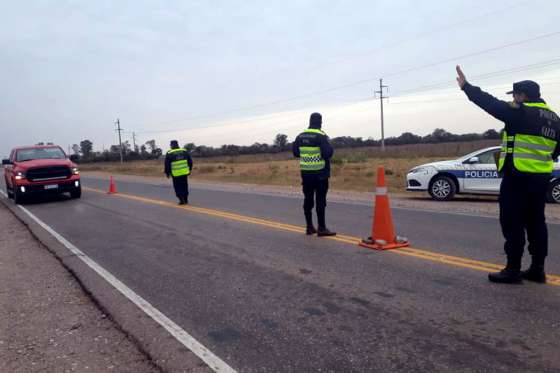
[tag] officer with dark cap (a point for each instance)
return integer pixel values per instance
(314, 152)
(178, 165)
(530, 144)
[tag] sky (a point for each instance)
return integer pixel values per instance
(239, 72)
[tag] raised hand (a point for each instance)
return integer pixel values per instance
(460, 77)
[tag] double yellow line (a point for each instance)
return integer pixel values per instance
(408, 251)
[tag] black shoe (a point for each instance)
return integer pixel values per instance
(310, 230)
(324, 232)
(535, 275)
(506, 276)
(181, 201)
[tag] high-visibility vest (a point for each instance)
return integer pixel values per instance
(531, 154)
(310, 156)
(179, 167)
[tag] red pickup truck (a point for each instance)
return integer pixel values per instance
(39, 169)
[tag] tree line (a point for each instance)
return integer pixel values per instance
(149, 150)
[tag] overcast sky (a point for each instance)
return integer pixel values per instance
(242, 71)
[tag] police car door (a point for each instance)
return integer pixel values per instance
(481, 174)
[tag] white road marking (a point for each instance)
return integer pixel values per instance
(213, 361)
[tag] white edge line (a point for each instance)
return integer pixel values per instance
(213, 361)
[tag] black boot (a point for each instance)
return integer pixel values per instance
(506, 276)
(535, 273)
(325, 232)
(186, 200)
(181, 201)
(309, 222)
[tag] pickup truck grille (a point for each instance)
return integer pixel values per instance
(48, 173)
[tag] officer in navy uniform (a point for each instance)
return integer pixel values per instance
(314, 151)
(178, 165)
(530, 144)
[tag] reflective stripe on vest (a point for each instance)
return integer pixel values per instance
(531, 154)
(180, 167)
(310, 156)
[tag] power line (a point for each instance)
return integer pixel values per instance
(359, 82)
(395, 43)
(485, 76)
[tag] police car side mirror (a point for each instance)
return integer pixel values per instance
(473, 160)
(6, 162)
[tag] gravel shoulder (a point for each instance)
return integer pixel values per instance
(477, 205)
(48, 322)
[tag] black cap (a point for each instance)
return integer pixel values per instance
(174, 143)
(529, 87)
(315, 120)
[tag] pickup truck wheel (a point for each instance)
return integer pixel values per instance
(9, 192)
(553, 193)
(18, 198)
(75, 194)
(442, 188)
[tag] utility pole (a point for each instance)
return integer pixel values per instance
(381, 97)
(134, 140)
(119, 130)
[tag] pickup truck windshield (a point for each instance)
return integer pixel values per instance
(39, 153)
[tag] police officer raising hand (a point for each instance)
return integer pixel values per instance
(530, 143)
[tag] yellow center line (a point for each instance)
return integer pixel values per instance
(408, 251)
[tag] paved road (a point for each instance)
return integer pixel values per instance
(273, 300)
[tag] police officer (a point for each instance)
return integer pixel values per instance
(178, 165)
(314, 151)
(530, 143)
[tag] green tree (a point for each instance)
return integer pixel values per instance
(281, 141)
(86, 147)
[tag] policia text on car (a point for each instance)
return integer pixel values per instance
(314, 152)
(178, 165)
(530, 143)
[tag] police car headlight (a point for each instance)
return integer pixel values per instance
(421, 170)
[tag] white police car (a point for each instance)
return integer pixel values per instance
(475, 173)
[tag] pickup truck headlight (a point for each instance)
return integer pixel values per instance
(75, 171)
(19, 176)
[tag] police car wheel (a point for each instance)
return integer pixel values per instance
(553, 194)
(442, 188)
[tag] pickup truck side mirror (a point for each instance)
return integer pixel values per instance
(6, 162)
(473, 160)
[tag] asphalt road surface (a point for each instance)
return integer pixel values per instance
(235, 272)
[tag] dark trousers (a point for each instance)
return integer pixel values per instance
(315, 192)
(522, 204)
(181, 186)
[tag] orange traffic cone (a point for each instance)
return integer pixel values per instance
(383, 235)
(112, 187)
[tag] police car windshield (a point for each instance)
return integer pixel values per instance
(474, 154)
(39, 153)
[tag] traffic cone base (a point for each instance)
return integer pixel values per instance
(371, 244)
(383, 235)
(112, 187)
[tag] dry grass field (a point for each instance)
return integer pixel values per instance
(352, 169)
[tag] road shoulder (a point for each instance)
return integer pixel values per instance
(48, 321)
